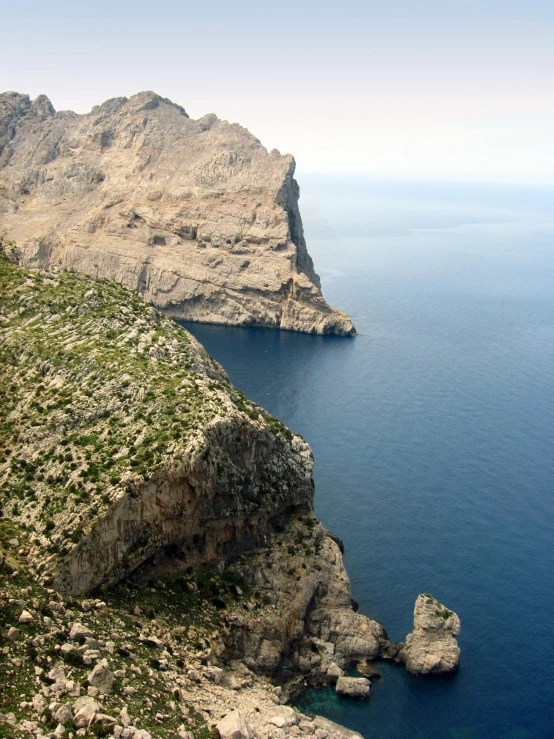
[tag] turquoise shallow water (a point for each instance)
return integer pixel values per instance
(433, 435)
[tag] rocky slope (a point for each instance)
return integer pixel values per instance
(138, 664)
(128, 462)
(195, 215)
(122, 436)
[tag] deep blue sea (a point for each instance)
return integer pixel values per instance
(433, 435)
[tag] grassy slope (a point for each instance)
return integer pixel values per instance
(98, 391)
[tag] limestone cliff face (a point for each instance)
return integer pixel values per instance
(195, 215)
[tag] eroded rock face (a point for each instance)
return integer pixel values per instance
(432, 645)
(125, 437)
(125, 449)
(308, 624)
(195, 215)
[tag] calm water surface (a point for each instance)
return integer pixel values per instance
(433, 435)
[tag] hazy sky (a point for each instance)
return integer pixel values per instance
(431, 89)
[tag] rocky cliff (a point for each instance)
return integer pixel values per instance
(121, 436)
(130, 467)
(195, 215)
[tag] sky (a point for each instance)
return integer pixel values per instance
(456, 90)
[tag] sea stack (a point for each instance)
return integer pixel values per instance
(431, 646)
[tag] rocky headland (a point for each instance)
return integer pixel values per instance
(195, 215)
(162, 573)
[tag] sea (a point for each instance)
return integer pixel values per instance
(433, 435)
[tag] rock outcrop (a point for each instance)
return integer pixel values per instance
(193, 214)
(432, 645)
(306, 624)
(125, 437)
(168, 687)
(128, 461)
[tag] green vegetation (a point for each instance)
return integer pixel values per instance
(434, 602)
(97, 394)
(184, 616)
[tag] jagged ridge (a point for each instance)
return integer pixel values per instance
(195, 215)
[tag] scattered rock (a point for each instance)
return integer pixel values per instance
(124, 716)
(84, 710)
(78, 632)
(285, 716)
(214, 674)
(153, 641)
(105, 724)
(233, 726)
(64, 714)
(101, 610)
(39, 703)
(13, 633)
(101, 677)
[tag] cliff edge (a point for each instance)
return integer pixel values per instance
(195, 215)
(161, 568)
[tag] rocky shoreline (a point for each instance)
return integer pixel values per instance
(162, 573)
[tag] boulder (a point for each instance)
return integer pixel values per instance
(431, 646)
(105, 724)
(26, 618)
(353, 687)
(101, 677)
(84, 711)
(152, 641)
(38, 703)
(233, 726)
(284, 716)
(57, 674)
(64, 713)
(334, 671)
(214, 674)
(78, 631)
(366, 669)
